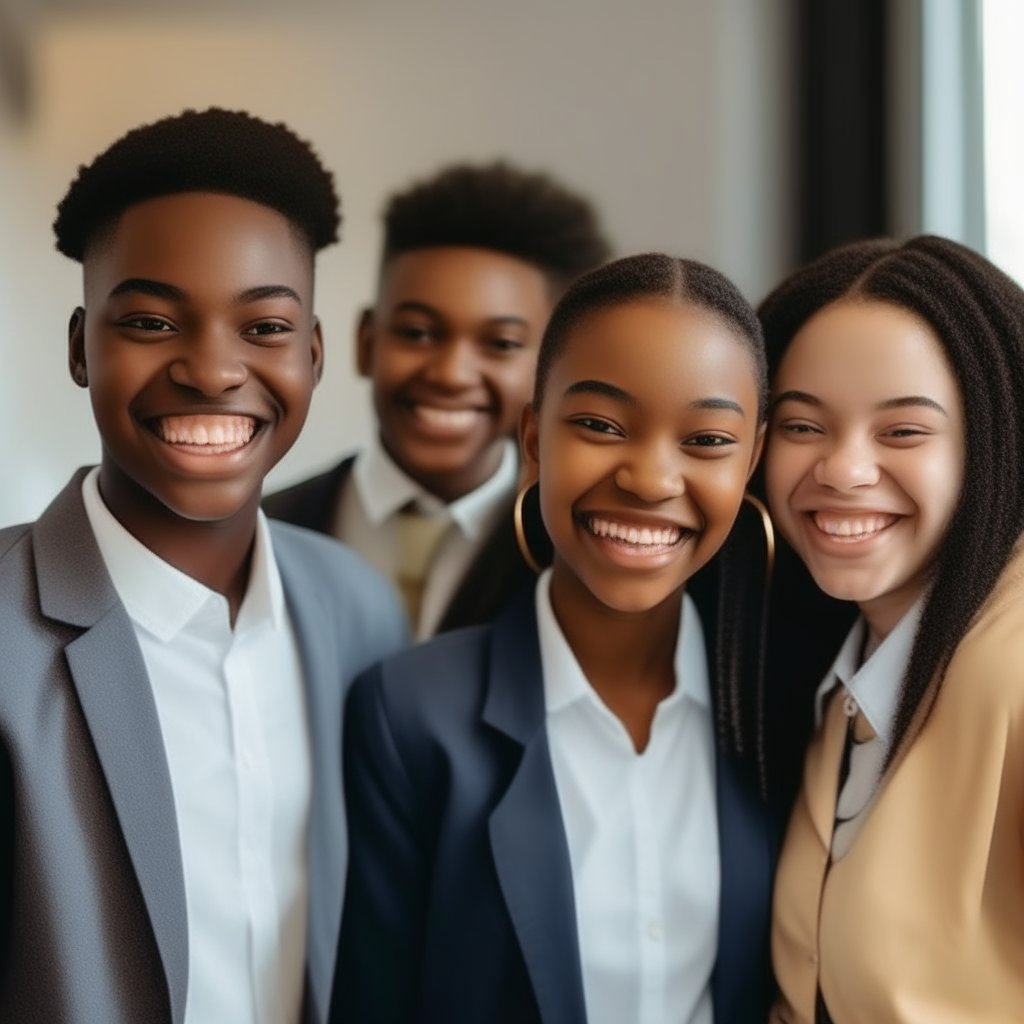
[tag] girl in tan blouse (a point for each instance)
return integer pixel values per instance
(895, 471)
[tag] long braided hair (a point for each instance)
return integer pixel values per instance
(977, 314)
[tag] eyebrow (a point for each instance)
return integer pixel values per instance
(415, 306)
(718, 403)
(163, 290)
(600, 387)
(797, 396)
(904, 402)
(144, 286)
(911, 400)
(268, 291)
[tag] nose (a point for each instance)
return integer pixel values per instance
(652, 472)
(848, 463)
(210, 363)
(453, 365)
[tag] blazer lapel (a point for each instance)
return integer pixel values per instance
(113, 688)
(316, 635)
(528, 841)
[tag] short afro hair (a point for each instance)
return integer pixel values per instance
(225, 151)
(496, 206)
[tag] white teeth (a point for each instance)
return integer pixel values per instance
(853, 527)
(214, 434)
(447, 419)
(641, 537)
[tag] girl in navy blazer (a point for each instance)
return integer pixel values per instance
(552, 818)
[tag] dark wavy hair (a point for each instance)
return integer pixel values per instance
(977, 314)
(499, 207)
(737, 681)
(214, 150)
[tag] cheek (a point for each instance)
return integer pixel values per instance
(785, 466)
(933, 481)
(393, 364)
(717, 489)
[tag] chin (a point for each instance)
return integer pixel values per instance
(848, 587)
(630, 598)
(205, 505)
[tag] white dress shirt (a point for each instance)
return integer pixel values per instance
(874, 687)
(642, 831)
(232, 712)
(367, 520)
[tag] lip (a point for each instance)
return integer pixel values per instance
(632, 540)
(444, 422)
(205, 441)
(849, 532)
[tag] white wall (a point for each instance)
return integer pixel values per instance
(671, 114)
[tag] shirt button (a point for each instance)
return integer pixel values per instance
(654, 931)
(813, 958)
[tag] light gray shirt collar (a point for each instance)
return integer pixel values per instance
(875, 684)
(384, 488)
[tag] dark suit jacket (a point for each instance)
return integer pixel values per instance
(496, 574)
(459, 905)
(92, 900)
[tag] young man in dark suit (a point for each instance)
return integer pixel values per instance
(174, 667)
(473, 262)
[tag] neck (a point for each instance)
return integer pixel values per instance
(450, 486)
(216, 553)
(628, 657)
(883, 613)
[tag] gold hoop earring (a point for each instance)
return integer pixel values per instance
(769, 536)
(521, 541)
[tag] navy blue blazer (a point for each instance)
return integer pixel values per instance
(459, 904)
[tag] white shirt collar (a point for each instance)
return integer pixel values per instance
(162, 599)
(564, 681)
(875, 684)
(384, 488)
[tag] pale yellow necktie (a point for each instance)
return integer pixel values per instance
(419, 536)
(803, 866)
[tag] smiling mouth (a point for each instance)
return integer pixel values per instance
(205, 434)
(849, 528)
(642, 540)
(446, 421)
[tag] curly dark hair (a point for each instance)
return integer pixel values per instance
(499, 207)
(214, 150)
(977, 314)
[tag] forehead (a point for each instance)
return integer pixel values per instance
(662, 353)
(857, 350)
(203, 243)
(466, 282)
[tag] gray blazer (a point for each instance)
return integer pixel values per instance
(92, 900)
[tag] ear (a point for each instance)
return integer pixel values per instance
(529, 446)
(317, 351)
(755, 455)
(76, 348)
(365, 331)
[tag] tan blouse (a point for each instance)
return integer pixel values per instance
(922, 921)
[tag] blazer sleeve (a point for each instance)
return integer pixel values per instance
(381, 942)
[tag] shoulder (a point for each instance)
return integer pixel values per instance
(308, 500)
(987, 668)
(13, 538)
(324, 577)
(16, 575)
(323, 557)
(434, 689)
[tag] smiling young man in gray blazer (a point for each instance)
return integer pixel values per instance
(173, 666)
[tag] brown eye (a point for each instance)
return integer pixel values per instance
(147, 323)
